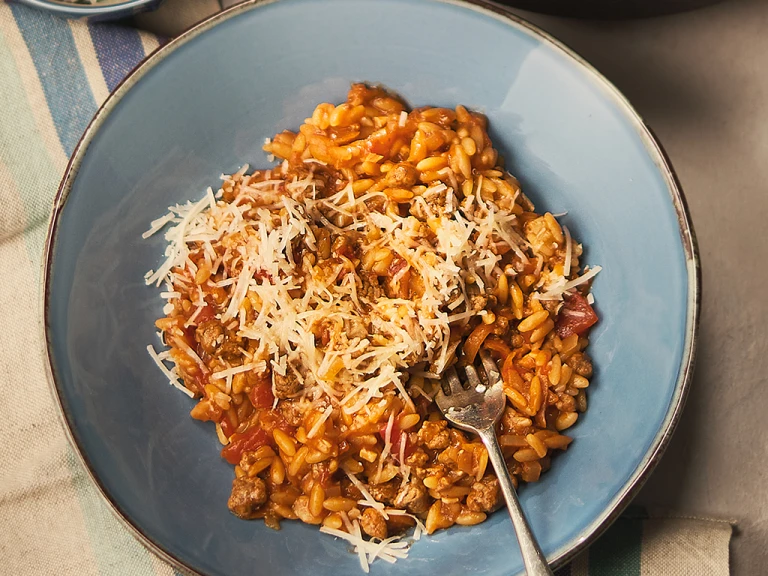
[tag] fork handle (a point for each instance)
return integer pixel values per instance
(533, 558)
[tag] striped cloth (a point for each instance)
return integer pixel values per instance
(53, 75)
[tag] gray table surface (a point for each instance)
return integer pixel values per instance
(700, 80)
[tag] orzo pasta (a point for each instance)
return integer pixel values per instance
(312, 307)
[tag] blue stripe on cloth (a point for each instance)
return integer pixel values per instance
(118, 51)
(24, 156)
(61, 72)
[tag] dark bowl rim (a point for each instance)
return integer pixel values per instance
(63, 8)
(506, 16)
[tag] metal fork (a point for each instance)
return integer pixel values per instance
(478, 409)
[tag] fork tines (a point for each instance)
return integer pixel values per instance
(474, 382)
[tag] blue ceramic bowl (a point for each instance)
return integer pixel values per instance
(202, 105)
(104, 10)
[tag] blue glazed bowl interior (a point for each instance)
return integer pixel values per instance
(204, 106)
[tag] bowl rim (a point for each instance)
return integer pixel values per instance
(504, 15)
(62, 8)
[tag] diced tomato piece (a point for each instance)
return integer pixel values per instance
(226, 426)
(262, 274)
(529, 267)
(189, 337)
(398, 263)
(345, 250)
(261, 395)
(207, 313)
(248, 441)
(202, 380)
(575, 317)
(344, 447)
(404, 285)
(396, 437)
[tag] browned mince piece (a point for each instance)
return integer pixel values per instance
(484, 496)
(371, 289)
(413, 497)
(301, 509)
(581, 364)
(418, 459)
(210, 335)
(373, 523)
(513, 422)
(478, 302)
(286, 386)
(434, 435)
(291, 412)
(247, 497)
(385, 492)
(355, 328)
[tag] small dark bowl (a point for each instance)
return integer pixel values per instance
(606, 9)
(106, 10)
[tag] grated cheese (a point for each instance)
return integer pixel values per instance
(405, 470)
(256, 367)
(192, 319)
(191, 353)
(158, 225)
(387, 444)
(420, 528)
(555, 294)
(389, 550)
(220, 434)
(568, 252)
(360, 547)
(367, 500)
(172, 379)
(316, 426)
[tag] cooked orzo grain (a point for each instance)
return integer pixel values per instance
(312, 307)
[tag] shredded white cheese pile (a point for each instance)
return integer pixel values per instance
(251, 245)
